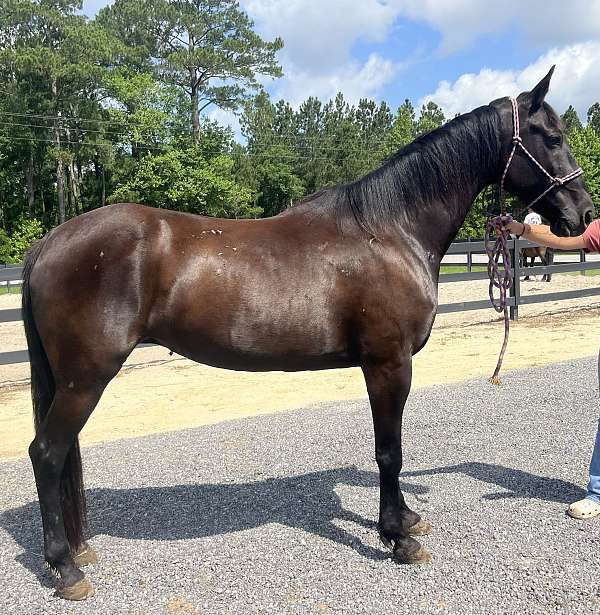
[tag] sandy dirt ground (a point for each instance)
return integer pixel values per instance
(156, 392)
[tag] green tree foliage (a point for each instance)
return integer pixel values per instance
(585, 145)
(52, 63)
(114, 109)
(403, 131)
(593, 117)
(196, 179)
(84, 103)
(431, 117)
(185, 180)
(571, 120)
(206, 47)
(291, 153)
(5, 252)
(25, 232)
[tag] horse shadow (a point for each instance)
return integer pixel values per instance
(307, 502)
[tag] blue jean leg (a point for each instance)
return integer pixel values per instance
(594, 484)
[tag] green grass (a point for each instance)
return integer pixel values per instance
(463, 269)
(14, 290)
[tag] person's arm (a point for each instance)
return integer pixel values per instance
(540, 233)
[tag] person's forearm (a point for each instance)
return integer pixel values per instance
(540, 233)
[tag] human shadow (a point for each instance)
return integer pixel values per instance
(515, 483)
(307, 502)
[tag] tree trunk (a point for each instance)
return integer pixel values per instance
(194, 101)
(195, 118)
(103, 187)
(30, 184)
(73, 181)
(59, 162)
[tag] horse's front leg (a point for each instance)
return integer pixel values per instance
(388, 385)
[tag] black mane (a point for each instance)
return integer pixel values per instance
(430, 169)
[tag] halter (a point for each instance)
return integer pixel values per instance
(555, 182)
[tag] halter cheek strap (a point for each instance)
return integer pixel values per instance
(517, 142)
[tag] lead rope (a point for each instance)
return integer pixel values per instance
(496, 226)
(501, 277)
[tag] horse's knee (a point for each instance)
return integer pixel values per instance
(389, 459)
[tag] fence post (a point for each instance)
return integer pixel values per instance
(582, 259)
(515, 289)
(469, 256)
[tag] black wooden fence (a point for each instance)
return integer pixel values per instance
(468, 248)
(516, 299)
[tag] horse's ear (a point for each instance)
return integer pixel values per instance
(537, 95)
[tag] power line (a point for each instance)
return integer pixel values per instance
(65, 129)
(65, 118)
(322, 149)
(52, 141)
(282, 136)
(267, 155)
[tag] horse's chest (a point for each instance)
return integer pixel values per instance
(402, 315)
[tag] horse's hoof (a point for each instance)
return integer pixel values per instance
(86, 556)
(422, 528)
(419, 556)
(82, 590)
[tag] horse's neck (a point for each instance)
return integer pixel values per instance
(437, 223)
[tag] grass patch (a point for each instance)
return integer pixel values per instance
(14, 290)
(447, 269)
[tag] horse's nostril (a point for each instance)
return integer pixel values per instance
(588, 217)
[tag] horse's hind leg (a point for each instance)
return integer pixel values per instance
(56, 463)
(388, 386)
(527, 278)
(548, 259)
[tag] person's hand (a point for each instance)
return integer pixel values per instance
(514, 227)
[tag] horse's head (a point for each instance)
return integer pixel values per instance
(564, 200)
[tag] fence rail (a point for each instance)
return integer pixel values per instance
(10, 274)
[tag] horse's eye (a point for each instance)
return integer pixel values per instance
(555, 140)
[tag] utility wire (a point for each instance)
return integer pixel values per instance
(163, 149)
(321, 149)
(282, 136)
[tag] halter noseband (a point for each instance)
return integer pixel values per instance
(555, 182)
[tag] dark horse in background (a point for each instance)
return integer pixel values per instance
(346, 278)
(546, 255)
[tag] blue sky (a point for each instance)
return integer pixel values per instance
(460, 53)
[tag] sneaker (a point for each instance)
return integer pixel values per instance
(584, 509)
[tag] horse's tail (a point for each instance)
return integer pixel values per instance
(72, 493)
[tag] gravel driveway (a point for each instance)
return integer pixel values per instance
(276, 514)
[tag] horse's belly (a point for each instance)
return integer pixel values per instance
(265, 341)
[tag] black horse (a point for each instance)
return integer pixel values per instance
(546, 255)
(346, 278)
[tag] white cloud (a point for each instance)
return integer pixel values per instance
(319, 37)
(319, 34)
(543, 22)
(575, 82)
(356, 80)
